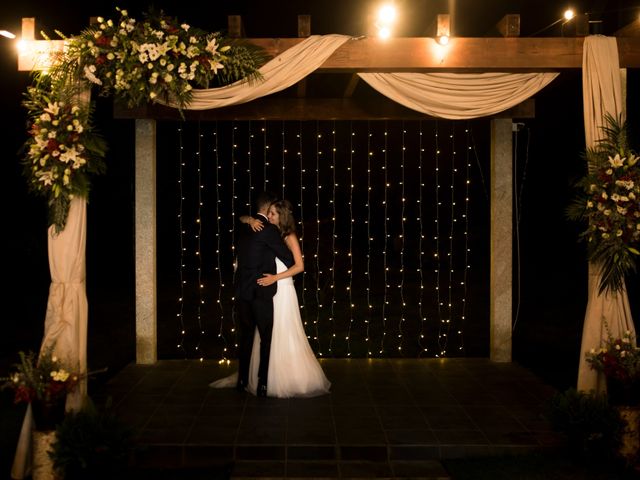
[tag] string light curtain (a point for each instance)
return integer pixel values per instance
(369, 217)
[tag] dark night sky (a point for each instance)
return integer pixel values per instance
(550, 249)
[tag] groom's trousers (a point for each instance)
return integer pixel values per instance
(257, 313)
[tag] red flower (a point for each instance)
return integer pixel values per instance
(52, 145)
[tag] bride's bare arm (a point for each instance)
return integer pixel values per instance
(298, 266)
(255, 224)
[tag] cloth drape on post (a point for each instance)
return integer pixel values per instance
(66, 318)
(602, 94)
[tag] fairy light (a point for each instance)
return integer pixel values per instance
(317, 254)
(351, 221)
(467, 250)
(198, 238)
(232, 229)
(284, 153)
(368, 223)
(385, 243)
(181, 332)
(301, 223)
(402, 224)
(250, 181)
(265, 157)
(437, 236)
(446, 324)
(333, 238)
(423, 320)
(218, 267)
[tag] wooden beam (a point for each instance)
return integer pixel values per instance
(422, 54)
(278, 108)
(509, 25)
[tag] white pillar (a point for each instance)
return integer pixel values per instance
(500, 308)
(145, 232)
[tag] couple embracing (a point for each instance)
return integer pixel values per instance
(275, 358)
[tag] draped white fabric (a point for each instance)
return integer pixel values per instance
(458, 96)
(285, 70)
(602, 93)
(65, 326)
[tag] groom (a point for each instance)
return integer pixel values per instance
(257, 251)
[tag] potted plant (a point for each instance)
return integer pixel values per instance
(91, 443)
(619, 360)
(44, 382)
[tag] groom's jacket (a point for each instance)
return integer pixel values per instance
(257, 252)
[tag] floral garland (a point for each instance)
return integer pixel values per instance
(610, 203)
(135, 62)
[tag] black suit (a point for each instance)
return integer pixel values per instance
(257, 252)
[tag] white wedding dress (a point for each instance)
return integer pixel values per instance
(294, 370)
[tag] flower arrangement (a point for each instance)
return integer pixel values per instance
(62, 150)
(619, 360)
(137, 62)
(140, 62)
(610, 203)
(43, 379)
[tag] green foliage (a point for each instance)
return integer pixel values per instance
(91, 444)
(609, 202)
(593, 427)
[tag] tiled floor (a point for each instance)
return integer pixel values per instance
(387, 418)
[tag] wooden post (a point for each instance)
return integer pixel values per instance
(145, 236)
(304, 26)
(304, 30)
(509, 25)
(234, 26)
(501, 284)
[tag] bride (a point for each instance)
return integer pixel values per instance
(294, 370)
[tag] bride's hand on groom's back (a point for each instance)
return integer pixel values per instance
(267, 279)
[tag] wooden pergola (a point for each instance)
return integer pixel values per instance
(508, 53)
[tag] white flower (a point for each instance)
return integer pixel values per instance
(604, 195)
(88, 73)
(215, 66)
(621, 211)
(45, 117)
(212, 46)
(168, 78)
(628, 184)
(618, 233)
(609, 171)
(185, 27)
(607, 212)
(53, 108)
(589, 204)
(616, 161)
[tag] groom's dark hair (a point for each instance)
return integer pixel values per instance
(264, 200)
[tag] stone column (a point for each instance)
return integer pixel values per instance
(145, 232)
(500, 308)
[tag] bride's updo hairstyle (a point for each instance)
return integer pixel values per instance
(287, 223)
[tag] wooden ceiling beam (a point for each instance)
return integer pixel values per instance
(423, 54)
(303, 109)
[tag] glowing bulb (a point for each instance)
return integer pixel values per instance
(7, 34)
(569, 14)
(384, 32)
(443, 39)
(387, 14)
